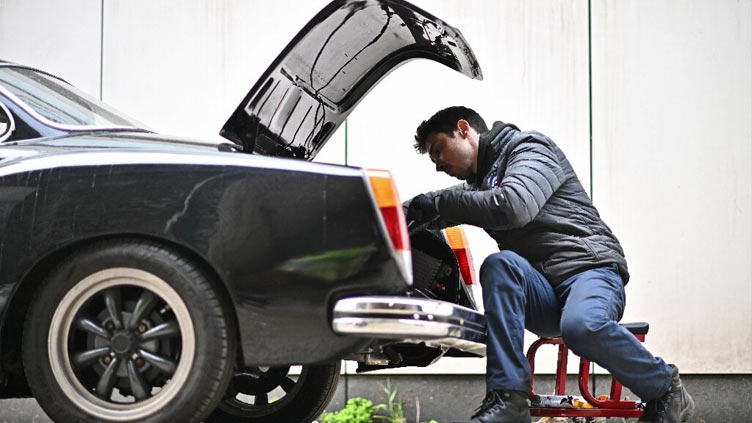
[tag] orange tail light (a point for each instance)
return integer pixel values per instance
(385, 193)
(458, 243)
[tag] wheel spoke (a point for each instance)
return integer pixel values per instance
(261, 399)
(252, 372)
(138, 385)
(144, 305)
(287, 384)
(163, 364)
(92, 327)
(163, 330)
(84, 358)
(114, 306)
(107, 380)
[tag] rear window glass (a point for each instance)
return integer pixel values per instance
(60, 103)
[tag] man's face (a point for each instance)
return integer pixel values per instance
(452, 155)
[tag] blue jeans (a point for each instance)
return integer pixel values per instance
(584, 310)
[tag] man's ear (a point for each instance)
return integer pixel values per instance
(463, 127)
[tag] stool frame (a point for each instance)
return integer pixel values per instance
(614, 406)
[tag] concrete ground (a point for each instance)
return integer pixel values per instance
(450, 398)
(453, 397)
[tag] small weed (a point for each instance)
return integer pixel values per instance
(393, 408)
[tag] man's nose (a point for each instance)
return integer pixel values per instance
(439, 166)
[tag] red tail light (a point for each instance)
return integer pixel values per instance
(458, 242)
(385, 193)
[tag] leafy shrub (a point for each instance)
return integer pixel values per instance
(357, 410)
(361, 410)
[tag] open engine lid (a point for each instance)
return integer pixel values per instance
(325, 71)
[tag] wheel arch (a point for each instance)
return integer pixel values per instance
(15, 316)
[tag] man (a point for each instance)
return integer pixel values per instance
(560, 269)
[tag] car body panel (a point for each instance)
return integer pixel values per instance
(330, 65)
(282, 267)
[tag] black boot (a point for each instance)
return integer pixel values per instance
(503, 407)
(673, 407)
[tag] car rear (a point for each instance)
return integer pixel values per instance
(437, 308)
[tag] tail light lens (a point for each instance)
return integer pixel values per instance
(385, 193)
(458, 242)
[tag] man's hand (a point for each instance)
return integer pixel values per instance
(422, 209)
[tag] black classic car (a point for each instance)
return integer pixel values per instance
(146, 278)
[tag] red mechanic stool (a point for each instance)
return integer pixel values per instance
(613, 406)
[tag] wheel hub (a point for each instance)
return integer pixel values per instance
(123, 343)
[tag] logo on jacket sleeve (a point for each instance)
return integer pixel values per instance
(492, 179)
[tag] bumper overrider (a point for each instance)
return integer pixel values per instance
(412, 320)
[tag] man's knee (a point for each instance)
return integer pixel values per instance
(501, 267)
(502, 270)
(582, 333)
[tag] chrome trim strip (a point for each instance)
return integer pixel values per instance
(11, 123)
(413, 320)
(31, 68)
(126, 157)
(417, 308)
(403, 328)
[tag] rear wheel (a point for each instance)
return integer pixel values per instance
(277, 394)
(128, 331)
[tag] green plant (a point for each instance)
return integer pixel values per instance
(357, 410)
(361, 410)
(393, 407)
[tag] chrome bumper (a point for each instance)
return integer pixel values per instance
(414, 320)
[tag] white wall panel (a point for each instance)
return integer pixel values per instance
(59, 37)
(183, 66)
(673, 170)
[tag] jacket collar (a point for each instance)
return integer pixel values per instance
(490, 144)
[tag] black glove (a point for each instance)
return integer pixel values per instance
(422, 209)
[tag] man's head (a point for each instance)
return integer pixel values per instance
(450, 137)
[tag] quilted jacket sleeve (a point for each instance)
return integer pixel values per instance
(441, 222)
(533, 173)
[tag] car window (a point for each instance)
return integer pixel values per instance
(6, 123)
(58, 103)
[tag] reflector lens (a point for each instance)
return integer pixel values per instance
(395, 225)
(458, 243)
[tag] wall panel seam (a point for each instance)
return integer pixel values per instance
(101, 49)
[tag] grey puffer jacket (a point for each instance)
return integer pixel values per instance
(526, 195)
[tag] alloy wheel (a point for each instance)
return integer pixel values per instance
(121, 343)
(259, 391)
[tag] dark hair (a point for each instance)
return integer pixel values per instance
(445, 121)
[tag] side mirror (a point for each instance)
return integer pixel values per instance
(6, 123)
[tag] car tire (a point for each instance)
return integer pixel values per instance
(303, 400)
(137, 334)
